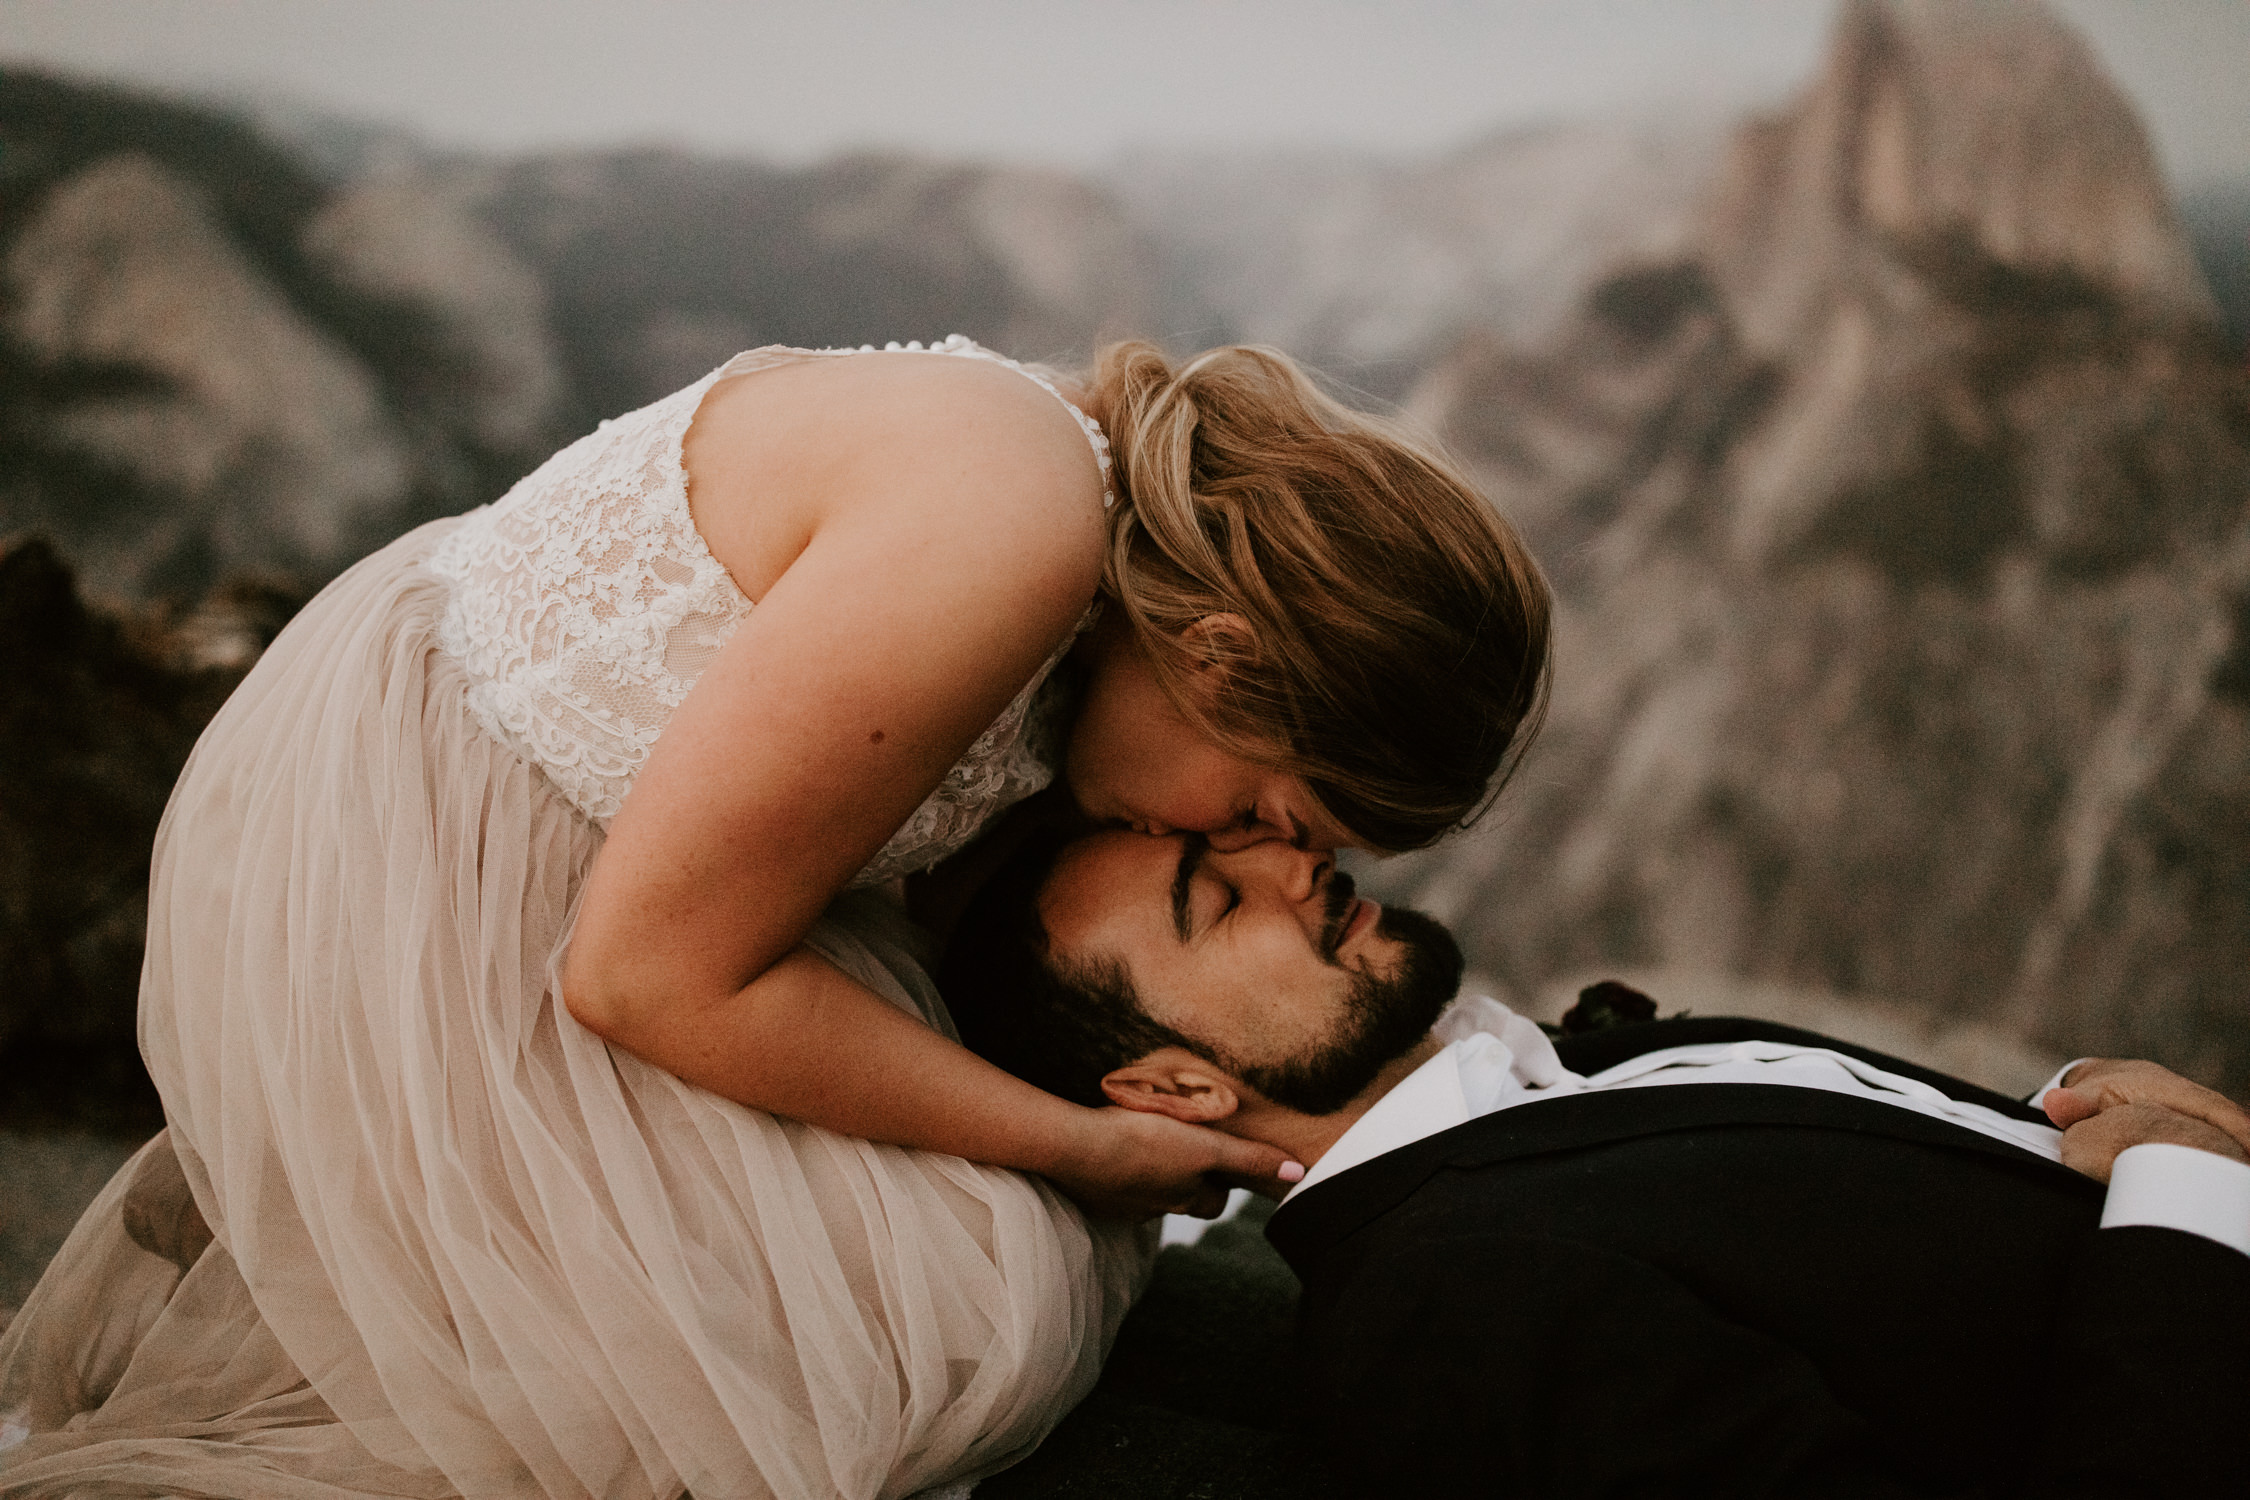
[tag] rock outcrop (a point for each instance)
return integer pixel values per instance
(416, 240)
(1903, 531)
(2218, 224)
(211, 359)
(98, 711)
(273, 440)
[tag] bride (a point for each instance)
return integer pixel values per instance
(549, 1138)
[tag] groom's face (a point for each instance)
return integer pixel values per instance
(1267, 954)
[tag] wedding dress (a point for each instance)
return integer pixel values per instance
(462, 1246)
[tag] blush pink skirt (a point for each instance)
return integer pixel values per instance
(462, 1246)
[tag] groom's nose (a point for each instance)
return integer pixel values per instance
(1294, 874)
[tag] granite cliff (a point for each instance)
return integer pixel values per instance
(1902, 524)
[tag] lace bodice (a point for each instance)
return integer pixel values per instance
(584, 605)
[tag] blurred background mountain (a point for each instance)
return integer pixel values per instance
(1890, 451)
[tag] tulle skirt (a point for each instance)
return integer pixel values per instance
(461, 1245)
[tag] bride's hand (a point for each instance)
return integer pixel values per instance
(1129, 1164)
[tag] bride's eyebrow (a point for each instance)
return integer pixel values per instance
(1192, 849)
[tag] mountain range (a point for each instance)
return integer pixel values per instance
(1890, 453)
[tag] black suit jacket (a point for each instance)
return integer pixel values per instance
(1749, 1290)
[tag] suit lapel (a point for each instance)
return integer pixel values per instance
(1337, 1207)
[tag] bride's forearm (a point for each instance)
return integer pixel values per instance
(805, 1040)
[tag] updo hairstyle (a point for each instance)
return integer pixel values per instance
(1397, 656)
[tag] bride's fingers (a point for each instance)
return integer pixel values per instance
(1257, 1165)
(1208, 1204)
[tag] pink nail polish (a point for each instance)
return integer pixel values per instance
(1291, 1171)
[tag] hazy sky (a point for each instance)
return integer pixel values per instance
(1053, 80)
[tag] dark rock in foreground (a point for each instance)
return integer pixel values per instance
(98, 711)
(1194, 1403)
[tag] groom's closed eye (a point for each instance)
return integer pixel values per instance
(1193, 847)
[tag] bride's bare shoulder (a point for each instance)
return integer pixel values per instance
(775, 455)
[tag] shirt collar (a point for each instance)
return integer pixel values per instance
(1424, 1102)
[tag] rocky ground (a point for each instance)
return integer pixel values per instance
(97, 714)
(46, 1177)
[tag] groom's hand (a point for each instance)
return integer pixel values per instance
(2092, 1146)
(2100, 1085)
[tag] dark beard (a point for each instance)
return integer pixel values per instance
(1385, 1018)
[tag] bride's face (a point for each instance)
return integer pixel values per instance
(1136, 761)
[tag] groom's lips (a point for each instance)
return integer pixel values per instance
(1364, 915)
(1348, 916)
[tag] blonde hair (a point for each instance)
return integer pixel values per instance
(1397, 655)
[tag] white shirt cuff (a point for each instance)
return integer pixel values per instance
(2038, 1099)
(2178, 1187)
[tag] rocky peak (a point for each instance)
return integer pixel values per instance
(1961, 129)
(1960, 187)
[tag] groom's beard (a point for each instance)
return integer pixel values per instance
(1382, 1022)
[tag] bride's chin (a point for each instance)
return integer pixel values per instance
(1090, 807)
(1095, 795)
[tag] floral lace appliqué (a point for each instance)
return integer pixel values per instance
(584, 605)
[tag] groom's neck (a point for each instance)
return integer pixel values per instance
(1307, 1138)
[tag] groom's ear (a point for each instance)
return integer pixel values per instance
(1173, 1081)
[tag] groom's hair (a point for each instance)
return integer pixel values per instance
(1052, 1021)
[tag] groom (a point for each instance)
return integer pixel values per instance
(1538, 1269)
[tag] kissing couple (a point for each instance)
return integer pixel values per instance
(558, 1103)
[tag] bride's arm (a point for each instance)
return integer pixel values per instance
(806, 1041)
(952, 544)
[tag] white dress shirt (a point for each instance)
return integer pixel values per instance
(1495, 1059)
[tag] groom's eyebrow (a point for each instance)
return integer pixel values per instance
(1192, 849)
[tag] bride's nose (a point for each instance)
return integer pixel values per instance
(1269, 822)
(1242, 835)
